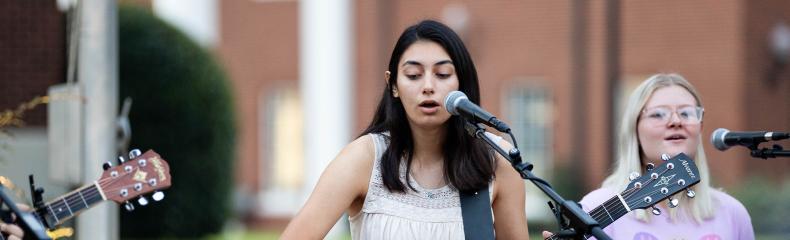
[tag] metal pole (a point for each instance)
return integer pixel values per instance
(97, 74)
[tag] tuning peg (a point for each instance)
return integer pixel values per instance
(673, 202)
(632, 176)
(121, 159)
(690, 193)
(129, 206)
(158, 196)
(134, 153)
(665, 157)
(650, 167)
(142, 201)
(655, 210)
(106, 165)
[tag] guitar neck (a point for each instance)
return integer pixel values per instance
(67, 206)
(606, 213)
(609, 211)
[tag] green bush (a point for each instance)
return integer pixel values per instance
(182, 109)
(767, 203)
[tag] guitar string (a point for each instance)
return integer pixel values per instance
(103, 184)
(626, 194)
(607, 205)
(93, 192)
(618, 211)
(612, 202)
(635, 201)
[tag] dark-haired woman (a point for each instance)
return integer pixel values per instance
(402, 177)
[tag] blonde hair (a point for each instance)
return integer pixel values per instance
(629, 156)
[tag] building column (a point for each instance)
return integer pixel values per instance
(97, 75)
(325, 67)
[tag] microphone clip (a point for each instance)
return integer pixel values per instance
(765, 153)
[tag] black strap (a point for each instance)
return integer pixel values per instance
(476, 213)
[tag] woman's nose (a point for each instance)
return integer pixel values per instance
(674, 120)
(428, 86)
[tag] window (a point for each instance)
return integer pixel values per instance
(281, 152)
(529, 110)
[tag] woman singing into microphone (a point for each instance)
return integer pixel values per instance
(402, 177)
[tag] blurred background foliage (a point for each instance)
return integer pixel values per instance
(767, 202)
(183, 109)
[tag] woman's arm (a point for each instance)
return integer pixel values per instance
(510, 219)
(342, 182)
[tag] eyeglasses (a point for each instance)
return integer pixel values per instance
(663, 114)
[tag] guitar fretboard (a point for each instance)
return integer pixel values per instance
(66, 207)
(606, 213)
(609, 211)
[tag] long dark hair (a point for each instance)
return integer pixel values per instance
(468, 164)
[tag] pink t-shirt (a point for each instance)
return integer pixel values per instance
(731, 221)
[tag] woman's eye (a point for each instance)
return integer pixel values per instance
(657, 115)
(412, 76)
(443, 76)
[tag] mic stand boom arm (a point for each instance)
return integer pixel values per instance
(581, 223)
(766, 153)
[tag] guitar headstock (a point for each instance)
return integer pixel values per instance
(672, 176)
(140, 175)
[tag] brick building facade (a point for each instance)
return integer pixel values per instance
(534, 48)
(543, 67)
(32, 54)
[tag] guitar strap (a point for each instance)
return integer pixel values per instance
(476, 214)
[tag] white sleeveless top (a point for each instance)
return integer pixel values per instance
(425, 214)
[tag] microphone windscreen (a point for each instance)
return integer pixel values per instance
(451, 101)
(717, 139)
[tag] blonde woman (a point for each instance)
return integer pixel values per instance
(664, 116)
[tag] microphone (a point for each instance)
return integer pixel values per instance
(459, 105)
(723, 139)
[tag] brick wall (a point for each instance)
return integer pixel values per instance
(32, 53)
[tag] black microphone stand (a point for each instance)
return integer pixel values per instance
(765, 153)
(27, 221)
(579, 224)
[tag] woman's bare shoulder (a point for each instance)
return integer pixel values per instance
(357, 156)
